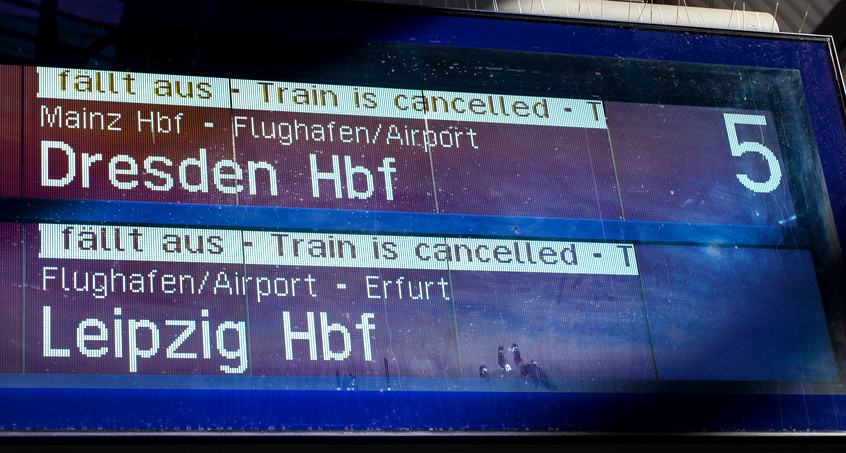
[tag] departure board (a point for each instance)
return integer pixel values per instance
(489, 222)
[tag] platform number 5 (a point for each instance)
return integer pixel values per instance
(738, 149)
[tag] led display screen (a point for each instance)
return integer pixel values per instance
(489, 222)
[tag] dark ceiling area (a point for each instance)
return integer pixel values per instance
(87, 31)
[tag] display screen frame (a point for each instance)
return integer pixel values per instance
(724, 407)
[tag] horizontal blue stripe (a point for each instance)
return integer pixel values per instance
(251, 217)
(277, 410)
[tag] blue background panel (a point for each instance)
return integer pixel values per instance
(735, 313)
